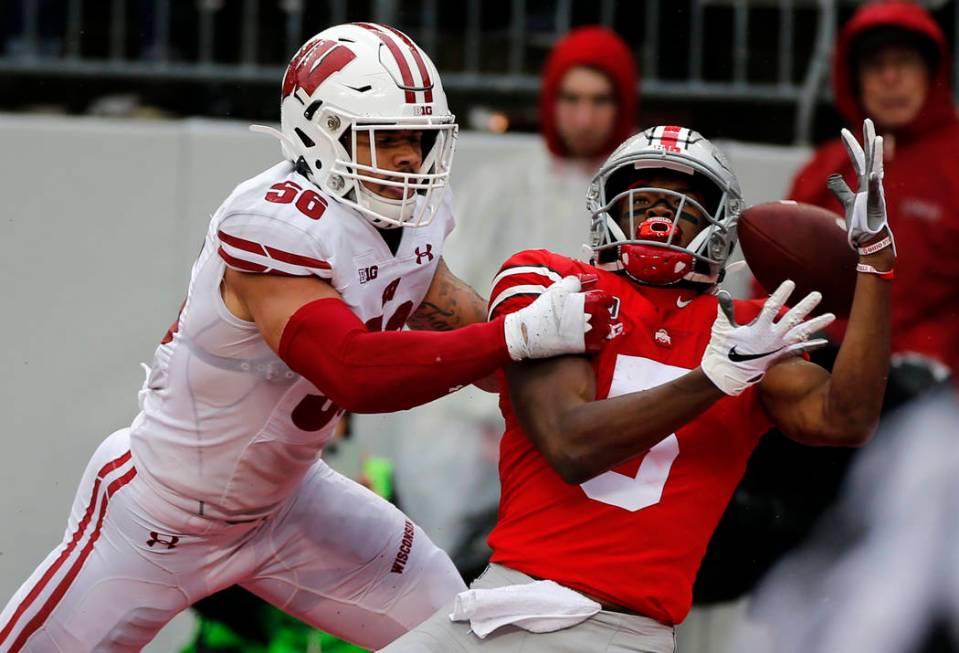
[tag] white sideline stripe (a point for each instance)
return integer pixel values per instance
(541, 270)
(54, 581)
(509, 292)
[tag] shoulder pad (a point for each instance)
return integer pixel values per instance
(526, 274)
(249, 242)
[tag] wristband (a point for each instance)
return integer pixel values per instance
(888, 275)
(875, 247)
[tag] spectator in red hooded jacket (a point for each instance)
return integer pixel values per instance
(587, 106)
(892, 65)
(588, 98)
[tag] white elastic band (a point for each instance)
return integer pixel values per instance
(862, 267)
(875, 247)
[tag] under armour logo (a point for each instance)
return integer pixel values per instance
(156, 539)
(428, 254)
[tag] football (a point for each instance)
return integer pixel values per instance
(789, 240)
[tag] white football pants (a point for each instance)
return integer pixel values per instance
(334, 555)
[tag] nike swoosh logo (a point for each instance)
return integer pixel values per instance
(736, 357)
(683, 303)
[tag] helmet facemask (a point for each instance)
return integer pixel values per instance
(631, 234)
(421, 189)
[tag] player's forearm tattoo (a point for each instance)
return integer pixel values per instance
(451, 304)
(431, 317)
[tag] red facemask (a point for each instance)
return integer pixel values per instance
(655, 265)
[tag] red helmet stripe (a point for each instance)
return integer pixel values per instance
(394, 49)
(313, 65)
(669, 137)
(424, 73)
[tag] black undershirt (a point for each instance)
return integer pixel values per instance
(392, 238)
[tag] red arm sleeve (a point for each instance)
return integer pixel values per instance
(382, 372)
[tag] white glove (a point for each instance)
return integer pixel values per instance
(739, 355)
(866, 208)
(558, 322)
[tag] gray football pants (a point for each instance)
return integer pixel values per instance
(604, 632)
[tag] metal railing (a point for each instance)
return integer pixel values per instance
(168, 39)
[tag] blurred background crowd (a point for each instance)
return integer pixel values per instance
(738, 69)
(561, 83)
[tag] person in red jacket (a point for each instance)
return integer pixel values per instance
(891, 64)
(587, 104)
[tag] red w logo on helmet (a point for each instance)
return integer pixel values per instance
(316, 60)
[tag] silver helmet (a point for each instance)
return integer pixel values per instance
(653, 248)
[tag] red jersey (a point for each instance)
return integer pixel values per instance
(634, 535)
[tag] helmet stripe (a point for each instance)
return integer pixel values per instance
(670, 135)
(424, 73)
(401, 61)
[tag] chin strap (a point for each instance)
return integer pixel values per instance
(388, 207)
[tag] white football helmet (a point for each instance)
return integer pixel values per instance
(363, 77)
(649, 253)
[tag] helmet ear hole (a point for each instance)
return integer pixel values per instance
(312, 109)
(303, 168)
(306, 140)
(346, 140)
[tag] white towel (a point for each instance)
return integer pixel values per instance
(539, 607)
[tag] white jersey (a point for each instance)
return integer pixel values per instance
(226, 429)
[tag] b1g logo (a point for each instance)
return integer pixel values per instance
(423, 111)
(368, 274)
